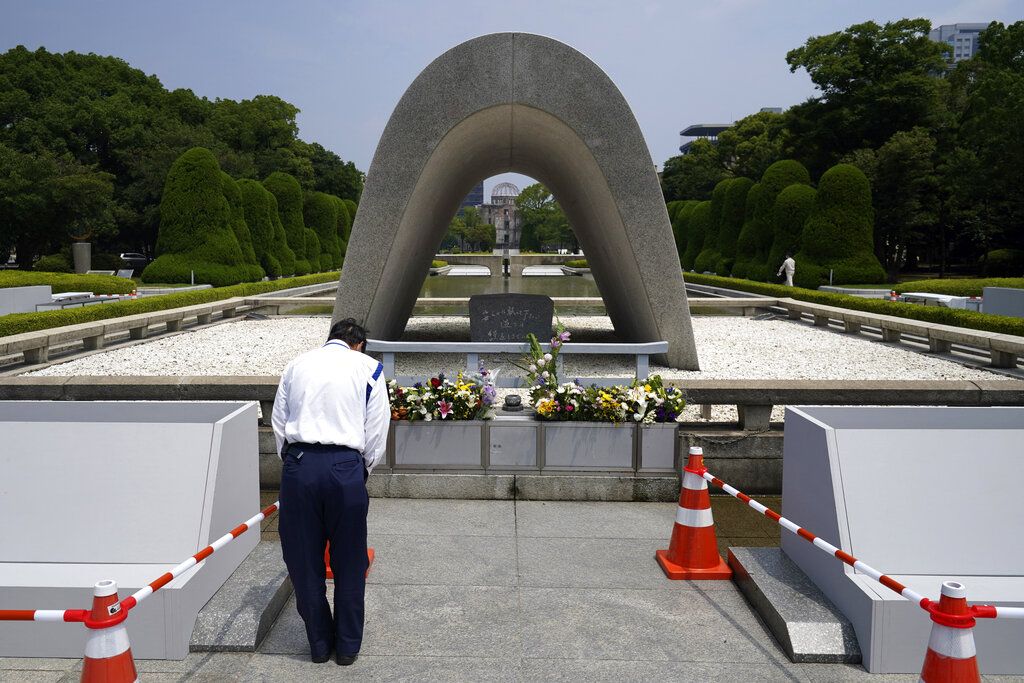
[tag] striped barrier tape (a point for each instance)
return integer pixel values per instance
(118, 612)
(930, 606)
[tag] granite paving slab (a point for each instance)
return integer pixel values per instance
(618, 671)
(381, 668)
(421, 621)
(653, 625)
(573, 519)
(807, 625)
(598, 563)
(448, 560)
(239, 615)
(427, 517)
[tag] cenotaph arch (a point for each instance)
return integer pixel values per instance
(524, 103)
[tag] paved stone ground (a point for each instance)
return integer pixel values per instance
(468, 590)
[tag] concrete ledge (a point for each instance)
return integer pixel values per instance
(455, 486)
(806, 624)
(596, 488)
(239, 615)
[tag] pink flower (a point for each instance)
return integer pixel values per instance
(445, 408)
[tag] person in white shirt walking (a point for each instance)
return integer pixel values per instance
(789, 267)
(331, 418)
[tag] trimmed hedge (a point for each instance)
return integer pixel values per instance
(967, 287)
(673, 209)
(54, 263)
(934, 314)
(733, 213)
(776, 178)
(438, 264)
(792, 208)
(839, 233)
(18, 323)
(283, 252)
(288, 193)
(709, 255)
(352, 207)
(696, 230)
(313, 251)
(195, 227)
(577, 263)
(67, 282)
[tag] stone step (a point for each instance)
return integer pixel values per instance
(805, 622)
(239, 616)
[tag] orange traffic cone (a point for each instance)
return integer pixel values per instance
(693, 549)
(951, 656)
(108, 655)
(327, 560)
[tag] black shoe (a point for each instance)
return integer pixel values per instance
(346, 660)
(320, 659)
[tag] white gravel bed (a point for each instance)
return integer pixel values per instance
(730, 347)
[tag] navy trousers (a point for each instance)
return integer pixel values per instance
(324, 498)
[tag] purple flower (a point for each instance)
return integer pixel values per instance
(563, 336)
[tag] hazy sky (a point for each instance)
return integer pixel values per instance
(346, 63)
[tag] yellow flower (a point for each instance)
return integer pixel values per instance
(647, 387)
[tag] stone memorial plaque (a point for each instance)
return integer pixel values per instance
(509, 317)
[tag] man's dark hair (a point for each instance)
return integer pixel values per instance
(348, 331)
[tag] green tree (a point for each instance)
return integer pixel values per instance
(283, 252)
(905, 190)
(709, 256)
(792, 207)
(982, 177)
(733, 213)
(752, 144)
(543, 221)
(874, 81)
(256, 204)
(696, 230)
(838, 233)
(196, 235)
(47, 201)
(314, 251)
(692, 175)
(342, 228)
(288, 193)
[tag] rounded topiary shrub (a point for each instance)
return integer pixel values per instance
(238, 222)
(673, 209)
(680, 225)
(1004, 263)
(288, 193)
(313, 250)
(351, 206)
(321, 215)
(731, 223)
(343, 227)
(256, 205)
(696, 230)
(792, 207)
(282, 251)
(708, 258)
(838, 234)
(195, 233)
(776, 178)
(746, 243)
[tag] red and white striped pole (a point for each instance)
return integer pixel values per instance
(144, 592)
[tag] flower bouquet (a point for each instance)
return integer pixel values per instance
(439, 398)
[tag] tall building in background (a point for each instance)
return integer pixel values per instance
(962, 38)
(474, 198)
(503, 214)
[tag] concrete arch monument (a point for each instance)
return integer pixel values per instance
(530, 104)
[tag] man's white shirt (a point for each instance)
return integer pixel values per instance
(334, 395)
